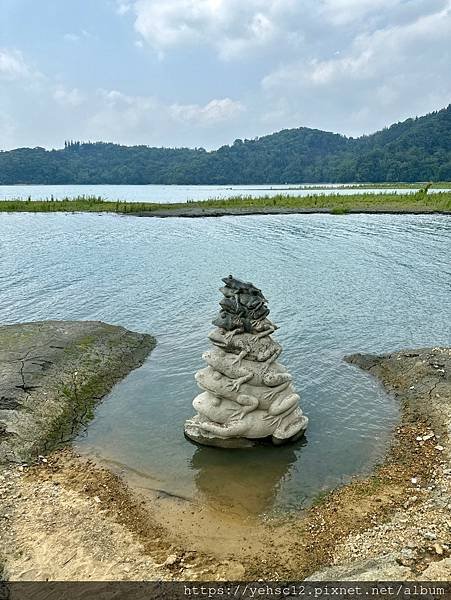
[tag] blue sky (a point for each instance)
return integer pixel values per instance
(204, 72)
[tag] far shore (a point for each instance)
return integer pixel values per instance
(417, 203)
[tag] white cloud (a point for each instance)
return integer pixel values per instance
(13, 65)
(382, 75)
(118, 100)
(379, 53)
(343, 12)
(215, 111)
(237, 29)
(68, 97)
(232, 27)
(350, 66)
(136, 108)
(388, 50)
(76, 37)
(71, 37)
(146, 119)
(114, 114)
(123, 7)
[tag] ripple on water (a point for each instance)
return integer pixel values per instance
(335, 284)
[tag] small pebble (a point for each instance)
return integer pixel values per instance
(408, 553)
(438, 548)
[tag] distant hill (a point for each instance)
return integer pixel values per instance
(417, 149)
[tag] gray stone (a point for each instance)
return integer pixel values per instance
(247, 396)
(52, 373)
(381, 568)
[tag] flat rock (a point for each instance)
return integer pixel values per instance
(193, 434)
(384, 568)
(51, 375)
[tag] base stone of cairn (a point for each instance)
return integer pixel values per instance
(247, 395)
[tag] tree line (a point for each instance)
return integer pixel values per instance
(418, 149)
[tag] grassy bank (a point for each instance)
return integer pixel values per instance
(419, 202)
(439, 185)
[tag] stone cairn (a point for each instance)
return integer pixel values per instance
(247, 395)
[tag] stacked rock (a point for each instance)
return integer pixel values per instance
(247, 395)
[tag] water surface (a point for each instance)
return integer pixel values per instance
(172, 193)
(335, 285)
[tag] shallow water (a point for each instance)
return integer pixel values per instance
(170, 193)
(335, 285)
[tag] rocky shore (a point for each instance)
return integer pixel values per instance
(413, 541)
(196, 212)
(64, 517)
(52, 375)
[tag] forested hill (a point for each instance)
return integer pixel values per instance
(418, 149)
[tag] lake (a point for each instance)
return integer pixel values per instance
(335, 285)
(171, 193)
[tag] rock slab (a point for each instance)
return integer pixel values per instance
(52, 373)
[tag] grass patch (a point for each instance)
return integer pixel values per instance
(339, 210)
(438, 185)
(420, 201)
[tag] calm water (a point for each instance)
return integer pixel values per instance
(335, 285)
(168, 193)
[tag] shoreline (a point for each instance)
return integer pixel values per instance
(196, 213)
(337, 204)
(65, 517)
(411, 540)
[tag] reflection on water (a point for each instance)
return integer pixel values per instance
(248, 480)
(335, 285)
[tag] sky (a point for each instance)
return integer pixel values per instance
(201, 73)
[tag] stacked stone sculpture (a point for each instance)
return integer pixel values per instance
(247, 396)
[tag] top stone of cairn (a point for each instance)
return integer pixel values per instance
(247, 396)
